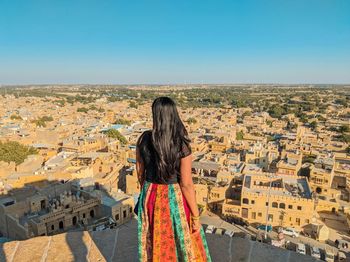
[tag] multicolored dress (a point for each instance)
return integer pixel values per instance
(164, 232)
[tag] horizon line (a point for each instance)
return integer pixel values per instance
(172, 84)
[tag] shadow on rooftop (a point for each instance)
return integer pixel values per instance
(120, 245)
(81, 243)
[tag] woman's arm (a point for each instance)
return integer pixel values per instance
(140, 167)
(186, 184)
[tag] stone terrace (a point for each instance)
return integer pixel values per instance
(120, 245)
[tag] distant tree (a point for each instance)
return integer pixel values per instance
(313, 125)
(238, 103)
(39, 122)
(321, 118)
(240, 135)
(93, 107)
(291, 125)
(342, 102)
(246, 113)
(276, 111)
(113, 133)
(308, 158)
(345, 138)
(15, 152)
(122, 121)
(270, 138)
(47, 118)
(132, 104)
(82, 110)
(269, 123)
(60, 102)
(15, 117)
(344, 129)
(191, 120)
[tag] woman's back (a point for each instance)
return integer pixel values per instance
(148, 156)
(168, 215)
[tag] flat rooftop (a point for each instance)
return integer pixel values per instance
(281, 185)
(120, 245)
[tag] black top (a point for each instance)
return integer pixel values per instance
(148, 157)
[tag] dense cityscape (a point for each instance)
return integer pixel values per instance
(270, 162)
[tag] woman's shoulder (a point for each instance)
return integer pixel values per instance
(144, 136)
(185, 149)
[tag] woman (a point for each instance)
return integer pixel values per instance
(168, 215)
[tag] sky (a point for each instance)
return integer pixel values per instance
(174, 41)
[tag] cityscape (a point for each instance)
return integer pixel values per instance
(175, 131)
(270, 164)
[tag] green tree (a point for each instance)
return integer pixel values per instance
(113, 133)
(15, 117)
(240, 135)
(191, 120)
(46, 118)
(345, 138)
(82, 110)
(39, 122)
(276, 111)
(122, 121)
(13, 151)
(313, 125)
(132, 104)
(344, 129)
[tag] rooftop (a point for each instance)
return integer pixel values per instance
(280, 185)
(120, 245)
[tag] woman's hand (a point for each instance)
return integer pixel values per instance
(196, 226)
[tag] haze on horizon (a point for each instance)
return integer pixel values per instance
(174, 42)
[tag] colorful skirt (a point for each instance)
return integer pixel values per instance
(164, 227)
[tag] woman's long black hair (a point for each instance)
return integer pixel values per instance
(169, 136)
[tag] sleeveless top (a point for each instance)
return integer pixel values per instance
(148, 157)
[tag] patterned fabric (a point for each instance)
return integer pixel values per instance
(164, 227)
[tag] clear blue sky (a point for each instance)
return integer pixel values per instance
(177, 41)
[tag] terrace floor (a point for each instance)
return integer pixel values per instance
(120, 245)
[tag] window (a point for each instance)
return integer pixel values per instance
(244, 212)
(299, 207)
(307, 221)
(266, 203)
(274, 204)
(84, 215)
(124, 214)
(245, 201)
(252, 202)
(290, 206)
(259, 214)
(283, 205)
(52, 227)
(253, 215)
(270, 218)
(117, 217)
(60, 225)
(298, 221)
